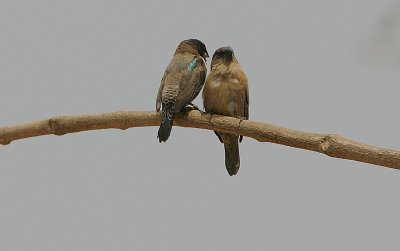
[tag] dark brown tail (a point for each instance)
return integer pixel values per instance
(165, 128)
(232, 158)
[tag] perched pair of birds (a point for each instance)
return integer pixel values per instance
(225, 91)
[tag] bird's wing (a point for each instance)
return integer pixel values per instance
(243, 81)
(246, 104)
(159, 94)
(193, 73)
(170, 82)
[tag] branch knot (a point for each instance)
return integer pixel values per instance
(54, 127)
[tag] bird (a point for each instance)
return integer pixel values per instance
(182, 81)
(226, 92)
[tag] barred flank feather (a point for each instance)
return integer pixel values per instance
(166, 125)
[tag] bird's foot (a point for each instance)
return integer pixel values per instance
(191, 107)
(209, 118)
(241, 119)
(195, 107)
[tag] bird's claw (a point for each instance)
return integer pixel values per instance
(241, 119)
(191, 107)
(209, 118)
(195, 107)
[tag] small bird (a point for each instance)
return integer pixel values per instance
(181, 83)
(226, 92)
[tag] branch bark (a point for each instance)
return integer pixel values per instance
(330, 144)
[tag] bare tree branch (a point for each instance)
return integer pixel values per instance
(330, 144)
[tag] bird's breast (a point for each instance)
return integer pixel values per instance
(215, 84)
(224, 96)
(234, 81)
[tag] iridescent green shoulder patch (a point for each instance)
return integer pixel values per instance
(193, 64)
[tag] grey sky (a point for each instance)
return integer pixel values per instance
(308, 68)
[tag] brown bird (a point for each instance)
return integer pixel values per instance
(226, 93)
(181, 83)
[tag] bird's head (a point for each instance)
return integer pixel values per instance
(193, 46)
(224, 55)
(200, 47)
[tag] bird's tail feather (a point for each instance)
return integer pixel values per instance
(232, 157)
(166, 126)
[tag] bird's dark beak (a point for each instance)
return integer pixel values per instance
(205, 55)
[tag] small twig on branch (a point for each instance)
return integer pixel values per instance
(330, 144)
